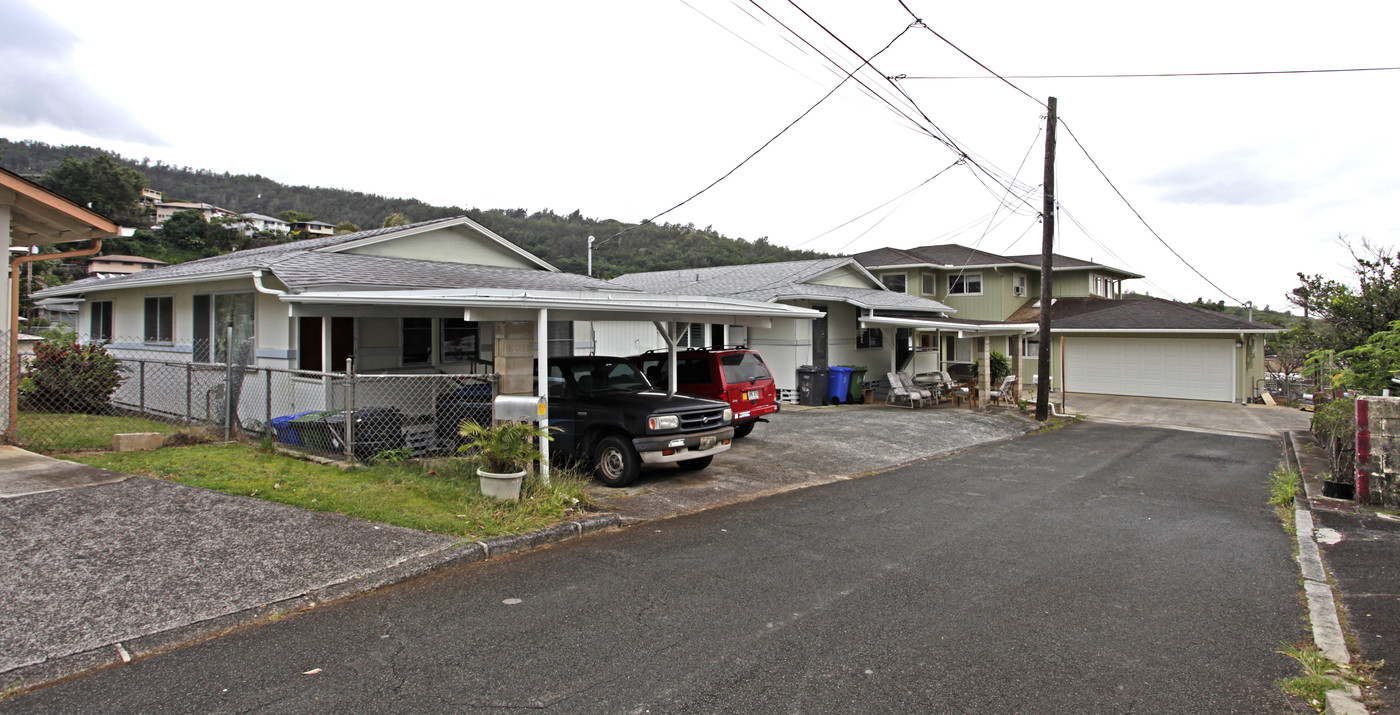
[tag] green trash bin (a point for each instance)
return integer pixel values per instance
(857, 390)
(315, 433)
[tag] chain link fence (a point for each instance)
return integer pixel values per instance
(76, 396)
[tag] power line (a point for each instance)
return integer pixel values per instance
(784, 130)
(1150, 74)
(877, 208)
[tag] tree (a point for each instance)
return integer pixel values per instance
(291, 216)
(1349, 316)
(1370, 367)
(107, 187)
(395, 220)
(346, 227)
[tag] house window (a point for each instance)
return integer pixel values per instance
(894, 281)
(1030, 348)
(692, 337)
(929, 283)
(561, 338)
(101, 321)
(311, 338)
(1018, 285)
(965, 284)
(958, 349)
(870, 338)
(460, 340)
(417, 342)
(213, 315)
(160, 320)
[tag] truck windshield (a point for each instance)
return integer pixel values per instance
(608, 376)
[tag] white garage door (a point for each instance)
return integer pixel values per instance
(1152, 367)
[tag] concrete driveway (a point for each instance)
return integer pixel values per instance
(1196, 415)
(803, 446)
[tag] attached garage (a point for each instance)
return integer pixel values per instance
(1181, 368)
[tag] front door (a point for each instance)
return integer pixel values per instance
(819, 338)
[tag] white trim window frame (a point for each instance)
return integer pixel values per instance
(896, 282)
(965, 284)
(929, 283)
(159, 324)
(1019, 285)
(1030, 348)
(100, 321)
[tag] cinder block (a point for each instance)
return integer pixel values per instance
(136, 441)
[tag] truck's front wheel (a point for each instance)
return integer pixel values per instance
(615, 462)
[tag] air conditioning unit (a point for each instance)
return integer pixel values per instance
(1018, 291)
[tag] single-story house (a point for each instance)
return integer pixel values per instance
(433, 298)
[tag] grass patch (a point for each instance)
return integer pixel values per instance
(54, 431)
(440, 496)
(1320, 674)
(1283, 486)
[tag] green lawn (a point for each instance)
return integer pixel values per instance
(441, 496)
(48, 431)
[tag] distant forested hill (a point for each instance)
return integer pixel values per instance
(561, 240)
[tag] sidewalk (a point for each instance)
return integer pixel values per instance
(1361, 549)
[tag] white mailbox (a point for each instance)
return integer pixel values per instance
(520, 408)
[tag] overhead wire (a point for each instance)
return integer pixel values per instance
(916, 187)
(1070, 131)
(1153, 74)
(765, 145)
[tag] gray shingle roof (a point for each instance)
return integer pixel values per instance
(348, 271)
(1144, 314)
(953, 255)
(768, 282)
(306, 272)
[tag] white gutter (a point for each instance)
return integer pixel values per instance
(71, 289)
(1199, 331)
(990, 328)
(257, 283)
(600, 301)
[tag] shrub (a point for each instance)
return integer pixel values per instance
(1001, 367)
(68, 377)
(1334, 425)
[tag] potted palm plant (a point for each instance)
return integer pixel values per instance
(505, 450)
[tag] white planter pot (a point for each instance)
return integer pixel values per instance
(501, 486)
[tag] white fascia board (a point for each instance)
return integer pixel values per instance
(594, 302)
(875, 283)
(919, 324)
(1173, 331)
(939, 307)
(462, 221)
(170, 281)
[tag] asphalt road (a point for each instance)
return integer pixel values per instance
(1094, 569)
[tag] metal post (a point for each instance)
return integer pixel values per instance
(542, 350)
(142, 379)
(228, 386)
(189, 389)
(349, 411)
(267, 401)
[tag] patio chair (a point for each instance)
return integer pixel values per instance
(1003, 392)
(964, 391)
(925, 394)
(899, 393)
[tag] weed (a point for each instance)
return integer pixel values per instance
(188, 436)
(393, 456)
(1320, 674)
(1283, 487)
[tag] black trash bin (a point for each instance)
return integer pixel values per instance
(811, 386)
(376, 429)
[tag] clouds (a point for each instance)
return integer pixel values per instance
(1237, 178)
(40, 86)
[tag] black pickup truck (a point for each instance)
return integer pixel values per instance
(609, 416)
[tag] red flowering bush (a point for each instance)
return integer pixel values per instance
(68, 377)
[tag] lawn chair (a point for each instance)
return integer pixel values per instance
(1004, 390)
(899, 393)
(925, 394)
(939, 382)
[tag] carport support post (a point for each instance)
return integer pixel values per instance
(984, 370)
(542, 385)
(667, 330)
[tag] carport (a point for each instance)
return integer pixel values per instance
(525, 316)
(32, 216)
(981, 331)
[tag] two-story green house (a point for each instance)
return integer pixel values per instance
(1101, 343)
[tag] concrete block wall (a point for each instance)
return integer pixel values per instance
(1378, 450)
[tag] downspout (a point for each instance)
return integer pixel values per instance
(13, 377)
(257, 283)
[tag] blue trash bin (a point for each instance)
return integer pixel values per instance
(282, 426)
(838, 384)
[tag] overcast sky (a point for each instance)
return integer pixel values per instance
(624, 108)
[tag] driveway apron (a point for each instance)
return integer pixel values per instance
(98, 565)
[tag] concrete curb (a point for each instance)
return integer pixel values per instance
(51, 672)
(1322, 607)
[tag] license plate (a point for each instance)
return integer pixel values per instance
(706, 443)
(676, 443)
(753, 394)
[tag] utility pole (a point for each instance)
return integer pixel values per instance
(1047, 248)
